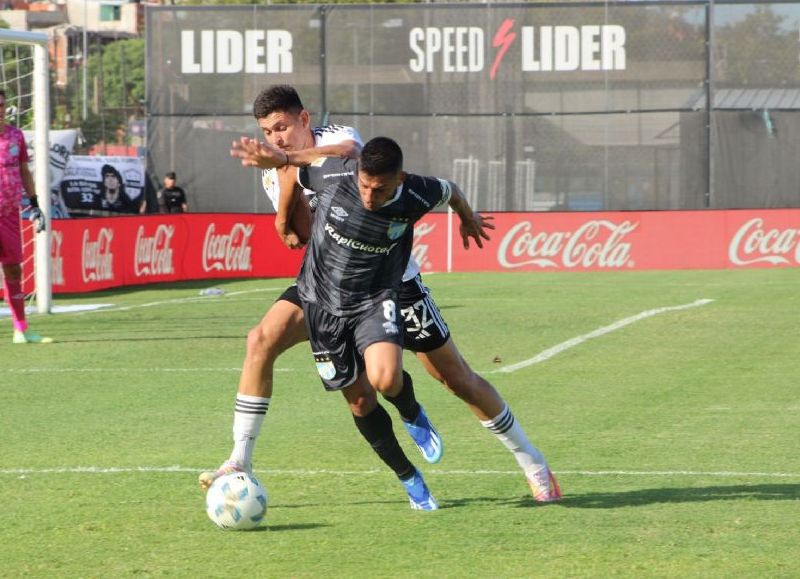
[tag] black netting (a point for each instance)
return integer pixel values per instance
(527, 106)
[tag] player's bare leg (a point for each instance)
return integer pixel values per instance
(448, 366)
(384, 362)
(384, 367)
(281, 328)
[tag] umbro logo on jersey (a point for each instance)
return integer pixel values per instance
(419, 197)
(338, 213)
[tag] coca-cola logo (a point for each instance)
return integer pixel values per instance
(420, 249)
(153, 255)
(98, 260)
(56, 260)
(595, 243)
(228, 251)
(753, 243)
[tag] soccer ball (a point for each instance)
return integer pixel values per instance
(236, 502)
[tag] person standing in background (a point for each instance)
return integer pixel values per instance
(171, 198)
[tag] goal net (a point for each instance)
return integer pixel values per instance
(24, 76)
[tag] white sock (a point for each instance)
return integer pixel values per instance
(248, 416)
(510, 433)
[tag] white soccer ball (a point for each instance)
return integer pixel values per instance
(236, 502)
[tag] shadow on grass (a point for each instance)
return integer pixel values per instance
(297, 527)
(71, 340)
(759, 492)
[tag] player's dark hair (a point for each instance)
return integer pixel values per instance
(278, 98)
(2, 92)
(381, 156)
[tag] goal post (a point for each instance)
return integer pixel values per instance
(40, 91)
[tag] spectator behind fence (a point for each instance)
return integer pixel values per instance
(171, 198)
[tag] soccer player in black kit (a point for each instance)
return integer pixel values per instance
(360, 243)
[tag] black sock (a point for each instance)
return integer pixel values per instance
(405, 402)
(376, 428)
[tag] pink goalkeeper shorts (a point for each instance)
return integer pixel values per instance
(10, 239)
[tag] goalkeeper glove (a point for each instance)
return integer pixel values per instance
(36, 216)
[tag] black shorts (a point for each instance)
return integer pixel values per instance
(338, 343)
(423, 325)
(424, 328)
(292, 295)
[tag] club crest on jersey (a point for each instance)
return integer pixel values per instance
(325, 367)
(396, 229)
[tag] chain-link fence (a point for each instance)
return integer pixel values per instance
(591, 106)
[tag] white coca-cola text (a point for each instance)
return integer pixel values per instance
(98, 260)
(228, 252)
(595, 243)
(56, 260)
(153, 255)
(420, 249)
(753, 243)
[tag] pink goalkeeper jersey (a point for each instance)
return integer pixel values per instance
(12, 154)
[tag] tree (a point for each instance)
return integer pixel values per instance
(758, 50)
(117, 89)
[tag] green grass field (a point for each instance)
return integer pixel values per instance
(675, 437)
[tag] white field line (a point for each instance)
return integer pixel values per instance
(541, 357)
(571, 343)
(188, 299)
(129, 370)
(326, 472)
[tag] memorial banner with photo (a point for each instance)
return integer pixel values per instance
(99, 185)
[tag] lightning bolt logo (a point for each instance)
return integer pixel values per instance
(503, 39)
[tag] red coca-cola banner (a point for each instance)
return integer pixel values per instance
(616, 241)
(92, 254)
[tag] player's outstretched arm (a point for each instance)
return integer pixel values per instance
(253, 153)
(345, 150)
(473, 225)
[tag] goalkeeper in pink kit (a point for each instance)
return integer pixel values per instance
(15, 180)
